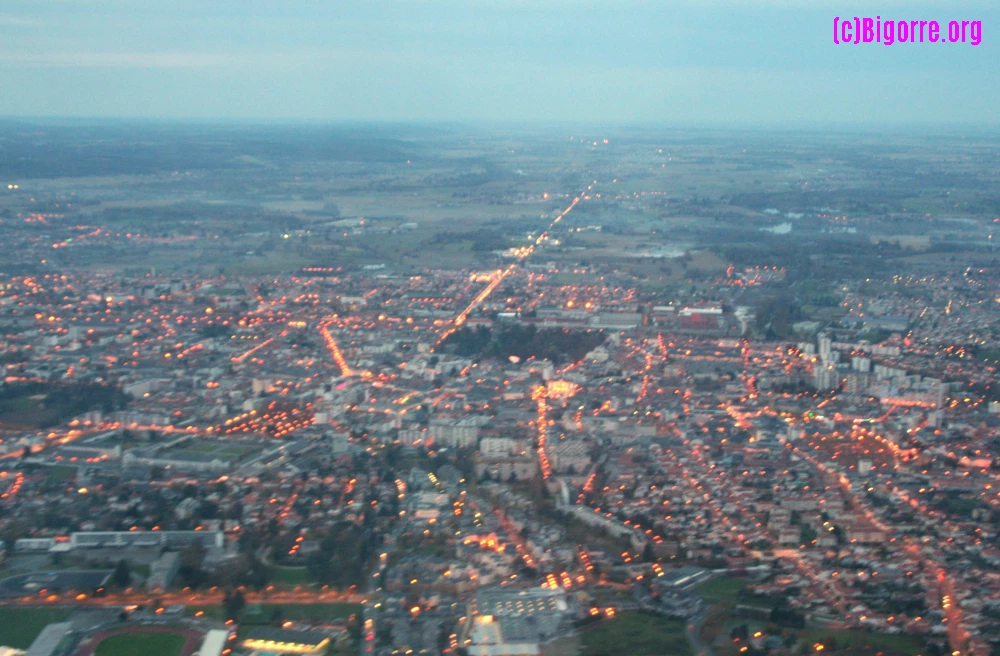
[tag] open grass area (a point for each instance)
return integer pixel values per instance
(317, 612)
(288, 575)
(214, 448)
(611, 596)
(265, 614)
(637, 634)
(141, 644)
(889, 645)
(20, 404)
(268, 263)
(41, 405)
(20, 411)
(61, 473)
(20, 626)
(724, 588)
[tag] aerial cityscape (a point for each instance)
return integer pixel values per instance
(499, 328)
(457, 391)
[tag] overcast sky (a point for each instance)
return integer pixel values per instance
(735, 62)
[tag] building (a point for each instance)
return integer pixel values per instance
(496, 447)
(519, 468)
(214, 643)
(27, 545)
(267, 640)
(826, 377)
(616, 320)
(412, 436)
(428, 505)
(168, 539)
(162, 571)
(48, 641)
(515, 622)
(685, 577)
(454, 432)
(340, 442)
(183, 462)
(857, 383)
(914, 392)
(489, 638)
(572, 456)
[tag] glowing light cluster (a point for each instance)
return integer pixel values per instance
(331, 345)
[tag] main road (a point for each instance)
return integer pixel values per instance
(522, 256)
(194, 598)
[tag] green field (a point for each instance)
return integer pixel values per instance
(288, 575)
(311, 611)
(61, 473)
(637, 634)
(265, 614)
(20, 404)
(20, 626)
(889, 645)
(21, 411)
(42, 405)
(269, 263)
(214, 448)
(724, 588)
(141, 644)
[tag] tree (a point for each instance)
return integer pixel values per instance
(343, 553)
(122, 574)
(332, 209)
(783, 615)
(233, 604)
(258, 576)
(190, 565)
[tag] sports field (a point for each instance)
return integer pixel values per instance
(20, 626)
(142, 641)
(141, 644)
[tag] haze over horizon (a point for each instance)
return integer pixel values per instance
(630, 61)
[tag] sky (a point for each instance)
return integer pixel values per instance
(669, 62)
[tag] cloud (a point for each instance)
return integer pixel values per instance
(12, 20)
(194, 60)
(117, 59)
